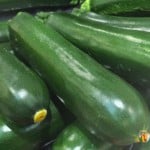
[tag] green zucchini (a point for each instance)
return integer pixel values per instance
(123, 51)
(100, 100)
(24, 98)
(11, 141)
(76, 137)
(43, 132)
(4, 34)
(132, 23)
(11, 5)
(47, 132)
(113, 7)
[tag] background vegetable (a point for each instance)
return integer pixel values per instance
(123, 51)
(11, 5)
(75, 137)
(114, 7)
(131, 23)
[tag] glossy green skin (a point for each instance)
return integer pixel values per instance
(75, 137)
(41, 133)
(11, 5)
(4, 34)
(131, 23)
(125, 52)
(100, 100)
(72, 138)
(23, 92)
(11, 141)
(57, 123)
(118, 6)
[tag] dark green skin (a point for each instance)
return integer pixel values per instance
(11, 5)
(101, 101)
(23, 92)
(113, 7)
(75, 137)
(56, 125)
(44, 132)
(131, 23)
(61, 117)
(145, 146)
(6, 45)
(125, 52)
(41, 133)
(4, 34)
(11, 141)
(72, 138)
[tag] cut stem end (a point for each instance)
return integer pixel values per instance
(40, 116)
(144, 137)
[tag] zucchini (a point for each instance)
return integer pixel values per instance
(4, 34)
(114, 7)
(123, 51)
(11, 141)
(11, 5)
(41, 133)
(100, 100)
(132, 23)
(76, 137)
(22, 92)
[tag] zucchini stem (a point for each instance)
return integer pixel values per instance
(40, 115)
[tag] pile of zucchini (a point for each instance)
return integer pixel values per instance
(76, 79)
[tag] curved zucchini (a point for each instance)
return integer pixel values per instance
(24, 98)
(113, 7)
(11, 5)
(11, 141)
(42, 133)
(125, 52)
(75, 137)
(131, 23)
(100, 100)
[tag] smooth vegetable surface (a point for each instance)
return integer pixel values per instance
(114, 7)
(75, 137)
(106, 105)
(131, 23)
(24, 99)
(11, 141)
(38, 133)
(46, 131)
(125, 52)
(56, 124)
